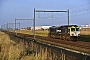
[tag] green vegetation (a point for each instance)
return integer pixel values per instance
(85, 38)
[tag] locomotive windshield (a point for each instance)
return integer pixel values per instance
(72, 29)
(77, 29)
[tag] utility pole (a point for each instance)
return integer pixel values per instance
(68, 17)
(1, 27)
(19, 27)
(15, 25)
(19, 23)
(34, 24)
(7, 26)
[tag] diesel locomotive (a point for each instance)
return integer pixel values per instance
(66, 32)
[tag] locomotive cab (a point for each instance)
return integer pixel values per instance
(75, 32)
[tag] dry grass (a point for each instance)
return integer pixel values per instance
(4, 46)
(85, 32)
(37, 32)
(10, 50)
(33, 58)
(4, 38)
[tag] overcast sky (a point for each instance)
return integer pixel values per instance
(11, 9)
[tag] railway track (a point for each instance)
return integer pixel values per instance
(81, 45)
(78, 43)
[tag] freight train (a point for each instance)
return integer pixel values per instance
(66, 32)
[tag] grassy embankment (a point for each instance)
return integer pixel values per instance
(11, 50)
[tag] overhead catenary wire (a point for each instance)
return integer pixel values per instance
(81, 14)
(79, 6)
(68, 8)
(82, 8)
(57, 4)
(74, 13)
(51, 15)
